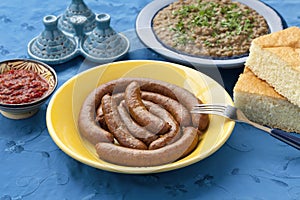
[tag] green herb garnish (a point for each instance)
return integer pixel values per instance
(207, 14)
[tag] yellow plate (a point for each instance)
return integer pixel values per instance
(63, 109)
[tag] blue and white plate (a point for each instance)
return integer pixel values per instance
(147, 36)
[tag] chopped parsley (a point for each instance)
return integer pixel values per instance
(211, 14)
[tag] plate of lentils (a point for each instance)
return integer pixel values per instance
(205, 33)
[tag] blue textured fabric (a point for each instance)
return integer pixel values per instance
(251, 165)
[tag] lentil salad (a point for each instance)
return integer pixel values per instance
(209, 28)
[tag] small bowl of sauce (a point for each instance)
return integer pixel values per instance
(24, 86)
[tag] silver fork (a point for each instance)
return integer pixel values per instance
(237, 115)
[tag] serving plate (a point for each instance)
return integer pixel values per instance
(64, 107)
(147, 36)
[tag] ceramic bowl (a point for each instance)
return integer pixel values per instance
(25, 110)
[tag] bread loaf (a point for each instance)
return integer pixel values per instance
(275, 58)
(262, 104)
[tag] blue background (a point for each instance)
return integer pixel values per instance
(251, 164)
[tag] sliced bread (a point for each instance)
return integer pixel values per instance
(275, 58)
(262, 104)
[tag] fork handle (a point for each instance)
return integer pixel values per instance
(286, 137)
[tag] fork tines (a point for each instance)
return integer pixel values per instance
(209, 108)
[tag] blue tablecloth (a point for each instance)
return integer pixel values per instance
(251, 164)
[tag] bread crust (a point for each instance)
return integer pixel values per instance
(249, 83)
(262, 104)
(285, 44)
(275, 58)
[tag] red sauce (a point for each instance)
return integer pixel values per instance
(21, 86)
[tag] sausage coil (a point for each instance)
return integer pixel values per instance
(141, 122)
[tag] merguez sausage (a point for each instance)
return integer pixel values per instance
(144, 158)
(93, 133)
(172, 135)
(183, 96)
(87, 124)
(91, 130)
(178, 111)
(135, 129)
(140, 113)
(100, 115)
(116, 126)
